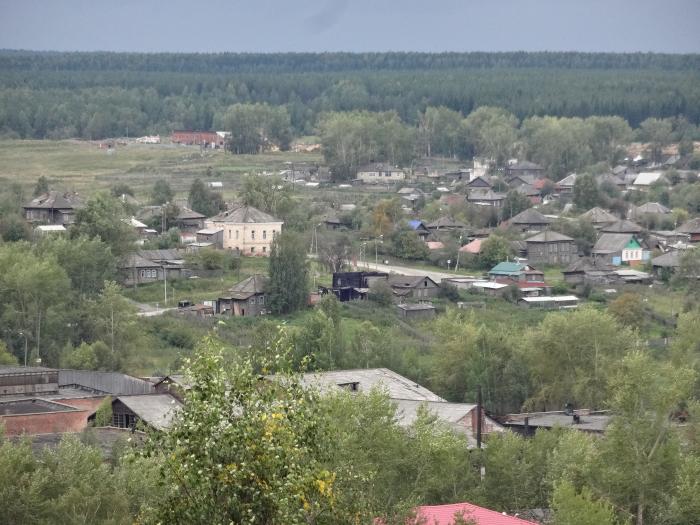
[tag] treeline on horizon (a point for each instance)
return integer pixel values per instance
(96, 95)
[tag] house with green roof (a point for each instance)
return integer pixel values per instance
(516, 272)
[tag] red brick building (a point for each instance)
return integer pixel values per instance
(43, 416)
(210, 139)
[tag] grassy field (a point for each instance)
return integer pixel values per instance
(85, 167)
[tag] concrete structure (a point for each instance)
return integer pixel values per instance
(247, 230)
(415, 311)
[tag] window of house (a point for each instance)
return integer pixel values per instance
(264, 234)
(261, 299)
(252, 249)
(252, 300)
(229, 234)
(236, 234)
(264, 249)
(252, 234)
(143, 274)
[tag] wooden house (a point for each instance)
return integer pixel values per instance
(413, 287)
(551, 248)
(53, 207)
(530, 220)
(245, 299)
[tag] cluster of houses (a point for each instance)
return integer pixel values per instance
(44, 404)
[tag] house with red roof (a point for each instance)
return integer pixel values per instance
(449, 514)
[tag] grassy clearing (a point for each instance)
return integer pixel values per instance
(85, 167)
(196, 289)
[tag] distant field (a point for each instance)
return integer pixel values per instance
(82, 166)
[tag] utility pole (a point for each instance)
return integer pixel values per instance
(458, 252)
(25, 346)
(478, 416)
(165, 287)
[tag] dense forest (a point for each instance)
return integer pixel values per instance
(95, 95)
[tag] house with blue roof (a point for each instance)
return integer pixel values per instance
(420, 228)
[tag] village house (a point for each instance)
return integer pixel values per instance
(213, 237)
(587, 270)
(551, 248)
(247, 230)
(565, 186)
(649, 208)
(147, 266)
(244, 299)
(666, 263)
(53, 207)
(420, 228)
(691, 228)
(515, 272)
(530, 220)
(486, 197)
(524, 167)
(622, 226)
(645, 179)
(445, 224)
(413, 287)
(480, 182)
(533, 194)
(334, 222)
(620, 248)
(453, 513)
(598, 217)
(349, 286)
(380, 173)
(188, 220)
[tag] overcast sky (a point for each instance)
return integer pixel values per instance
(351, 25)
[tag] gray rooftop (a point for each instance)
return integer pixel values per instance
(599, 216)
(587, 422)
(396, 385)
(530, 216)
(549, 236)
(31, 406)
(244, 214)
(611, 242)
(158, 410)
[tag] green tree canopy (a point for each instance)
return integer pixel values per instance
(288, 284)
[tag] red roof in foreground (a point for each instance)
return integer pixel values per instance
(444, 515)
